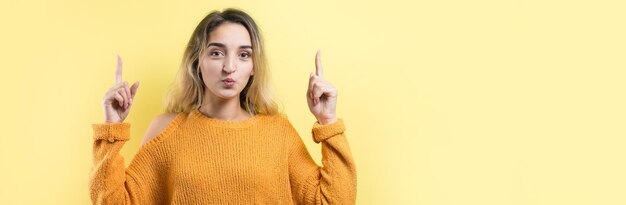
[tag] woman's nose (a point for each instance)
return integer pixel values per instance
(229, 65)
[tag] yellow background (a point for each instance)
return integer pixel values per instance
(445, 102)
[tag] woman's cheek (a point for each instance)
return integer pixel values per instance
(249, 66)
(214, 64)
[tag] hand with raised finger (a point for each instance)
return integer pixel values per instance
(119, 98)
(321, 95)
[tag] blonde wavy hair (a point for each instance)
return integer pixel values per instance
(186, 92)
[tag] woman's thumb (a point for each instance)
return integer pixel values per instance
(133, 89)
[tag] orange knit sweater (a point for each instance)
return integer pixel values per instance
(200, 160)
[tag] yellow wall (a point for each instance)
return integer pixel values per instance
(446, 102)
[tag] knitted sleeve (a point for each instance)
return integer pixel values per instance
(109, 182)
(335, 181)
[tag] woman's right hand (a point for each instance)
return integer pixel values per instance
(119, 98)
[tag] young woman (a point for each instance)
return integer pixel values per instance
(221, 139)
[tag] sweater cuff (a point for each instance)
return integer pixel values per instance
(323, 132)
(111, 131)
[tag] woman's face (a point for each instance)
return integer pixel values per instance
(226, 64)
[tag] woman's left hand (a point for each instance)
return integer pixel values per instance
(321, 95)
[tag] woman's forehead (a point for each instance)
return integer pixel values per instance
(230, 35)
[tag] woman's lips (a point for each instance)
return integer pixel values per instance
(229, 82)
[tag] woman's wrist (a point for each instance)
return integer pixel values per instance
(326, 121)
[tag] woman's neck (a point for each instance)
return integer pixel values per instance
(226, 110)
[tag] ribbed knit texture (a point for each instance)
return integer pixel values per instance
(200, 160)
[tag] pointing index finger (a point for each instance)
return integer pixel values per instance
(318, 64)
(118, 71)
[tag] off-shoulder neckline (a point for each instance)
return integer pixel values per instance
(197, 115)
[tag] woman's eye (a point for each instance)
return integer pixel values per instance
(244, 55)
(215, 53)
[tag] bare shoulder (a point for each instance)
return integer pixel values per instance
(158, 124)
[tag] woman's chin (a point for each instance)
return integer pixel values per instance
(228, 94)
(224, 93)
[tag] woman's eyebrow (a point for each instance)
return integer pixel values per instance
(221, 45)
